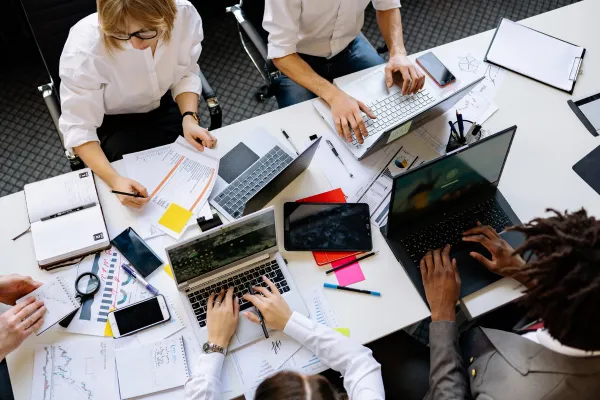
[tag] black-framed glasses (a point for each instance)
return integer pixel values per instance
(141, 34)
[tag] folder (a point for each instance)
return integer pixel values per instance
(535, 55)
(333, 196)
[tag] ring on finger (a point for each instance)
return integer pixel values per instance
(217, 302)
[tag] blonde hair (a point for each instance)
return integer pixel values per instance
(114, 15)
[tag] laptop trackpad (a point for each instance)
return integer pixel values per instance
(473, 275)
(248, 331)
(370, 88)
(236, 161)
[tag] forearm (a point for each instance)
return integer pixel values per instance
(187, 101)
(295, 68)
(92, 155)
(390, 24)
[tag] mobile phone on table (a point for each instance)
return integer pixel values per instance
(138, 316)
(137, 252)
(435, 69)
(327, 227)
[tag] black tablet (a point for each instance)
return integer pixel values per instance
(327, 227)
(588, 112)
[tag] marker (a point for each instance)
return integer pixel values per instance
(461, 125)
(338, 157)
(127, 194)
(351, 262)
(72, 210)
(330, 286)
(292, 143)
(260, 316)
(453, 130)
(141, 280)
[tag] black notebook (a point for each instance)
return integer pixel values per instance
(588, 169)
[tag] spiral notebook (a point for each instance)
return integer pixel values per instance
(152, 367)
(58, 299)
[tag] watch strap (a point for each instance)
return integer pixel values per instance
(193, 114)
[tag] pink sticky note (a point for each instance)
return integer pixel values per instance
(350, 274)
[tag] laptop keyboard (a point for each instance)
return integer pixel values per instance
(234, 197)
(392, 109)
(450, 230)
(239, 282)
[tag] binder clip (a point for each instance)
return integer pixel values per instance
(208, 224)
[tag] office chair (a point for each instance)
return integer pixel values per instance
(249, 16)
(50, 22)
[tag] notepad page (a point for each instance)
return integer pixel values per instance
(151, 368)
(61, 193)
(59, 302)
(534, 54)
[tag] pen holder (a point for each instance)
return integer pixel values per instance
(456, 143)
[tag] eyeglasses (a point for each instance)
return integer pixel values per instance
(142, 34)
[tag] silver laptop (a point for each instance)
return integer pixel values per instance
(232, 255)
(254, 172)
(396, 114)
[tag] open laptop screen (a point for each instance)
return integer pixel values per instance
(450, 178)
(224, 247)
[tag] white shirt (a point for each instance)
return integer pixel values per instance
(543, 337)
(95, 82)
(362, 374)
(319, 28)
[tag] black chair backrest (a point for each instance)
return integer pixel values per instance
(254, 11)
(50, 22)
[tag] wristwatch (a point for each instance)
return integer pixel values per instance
(193, 114)
(209, 347)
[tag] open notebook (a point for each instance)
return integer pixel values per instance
(59, 232)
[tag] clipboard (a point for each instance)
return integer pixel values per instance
(536, 55)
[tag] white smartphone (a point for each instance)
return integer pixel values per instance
(138, 316)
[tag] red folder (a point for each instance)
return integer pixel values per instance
(333, 196)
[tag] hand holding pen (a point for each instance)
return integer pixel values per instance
(272, 306)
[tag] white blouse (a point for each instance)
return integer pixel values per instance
(95, 82)
(362, 374)
(321, 28)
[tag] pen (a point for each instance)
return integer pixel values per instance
(292, 143)
(335, 153)
(260, 317)
(72, 210)
(351, 262)
(412, 163)
(461, 125)
(453, 130)
(330, 286)
(141, 280)
(127, 194)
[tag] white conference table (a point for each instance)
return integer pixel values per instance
(538, 174)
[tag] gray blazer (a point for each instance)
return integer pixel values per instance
(507, 366)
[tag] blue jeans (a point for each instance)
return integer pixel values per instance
(358, 55)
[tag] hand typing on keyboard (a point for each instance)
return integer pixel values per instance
(346, 113)
(223, 311)
(411, 78)
(271, 304)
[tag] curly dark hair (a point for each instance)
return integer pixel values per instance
(563, 278)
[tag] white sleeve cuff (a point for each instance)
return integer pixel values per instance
(189, 83)
(383, 5)
(76, 137)
(278, 51)
(299, 327)
(210, 365)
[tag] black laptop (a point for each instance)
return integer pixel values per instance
(433, 205)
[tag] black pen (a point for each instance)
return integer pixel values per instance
(350, 262)
(412, 163)
(335, 153)
(290, 140)
(260, 317)
(72, 210)
(461, 125)
(453, 131)
(127, 194)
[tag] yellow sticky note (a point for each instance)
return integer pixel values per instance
(107, 329)
(175, 218)
(343, 331)
(169, 271)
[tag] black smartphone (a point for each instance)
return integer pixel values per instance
(139, 316)
(137, 252)
(435, 69)
(327, 227)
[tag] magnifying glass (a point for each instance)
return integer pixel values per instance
(86, 286)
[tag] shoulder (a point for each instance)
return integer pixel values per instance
(85, 36)
(186, 10)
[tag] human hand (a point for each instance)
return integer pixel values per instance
(196, 135)
(413, 79)
(274, 309)
(15, 286)
(18, 323)
(127, 185)
(222, 317)
(504, 262)
(442, 284)
(345, 111)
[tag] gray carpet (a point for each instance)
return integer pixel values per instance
(29, 148)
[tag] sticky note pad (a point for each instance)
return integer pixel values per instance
(175, 218)
(169, 271)
(343, 331)
(350, 274)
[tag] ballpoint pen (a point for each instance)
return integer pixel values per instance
(335, 153)
(141, 280)
(72, 210)
(260, 316)
(290, 140)
(453, 131)
(350, 262)
(461, 125)
(127, 194)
